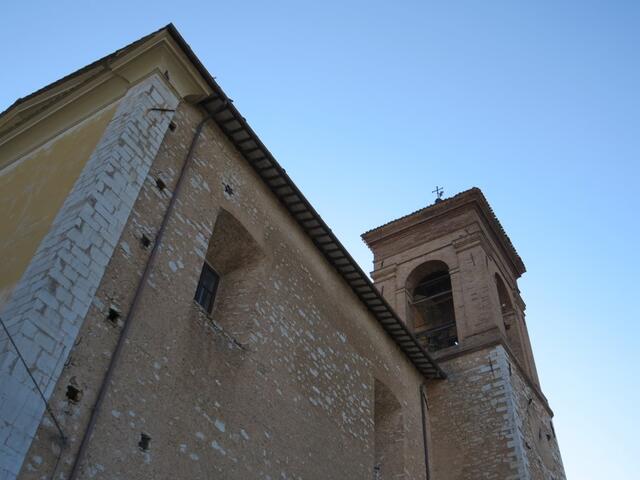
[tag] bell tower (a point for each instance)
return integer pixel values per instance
(450, 272)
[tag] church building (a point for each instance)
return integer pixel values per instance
(173, 307)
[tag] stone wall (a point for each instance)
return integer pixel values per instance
(487, 422)
(534, 420)
(278, 383)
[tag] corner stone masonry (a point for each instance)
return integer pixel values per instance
(49, 304)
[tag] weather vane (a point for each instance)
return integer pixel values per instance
(439, 192)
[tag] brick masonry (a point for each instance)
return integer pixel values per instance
(48, 306)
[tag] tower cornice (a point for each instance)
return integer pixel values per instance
(472, 197)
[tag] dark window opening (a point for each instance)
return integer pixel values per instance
(434, 317)
(207, 286)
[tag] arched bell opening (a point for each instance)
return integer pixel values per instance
(431, 305)
(509, 319)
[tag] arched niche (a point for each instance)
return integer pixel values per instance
(430, 307)
(231, 246)
(389, 435)
(229, 282)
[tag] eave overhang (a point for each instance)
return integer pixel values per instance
(235, 127)
(238, 131)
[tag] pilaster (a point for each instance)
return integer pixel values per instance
(49, 304)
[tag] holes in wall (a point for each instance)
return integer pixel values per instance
(228, 189)
(160, 184)
(73, 394)
(145, 241)
(113, 315)
(144, 442)
(172, 126)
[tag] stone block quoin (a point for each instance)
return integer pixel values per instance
(49, 303)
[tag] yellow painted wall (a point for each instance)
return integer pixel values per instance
(33, 188)
(36, 177)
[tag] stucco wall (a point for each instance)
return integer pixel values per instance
(34, 187)
(278, 384)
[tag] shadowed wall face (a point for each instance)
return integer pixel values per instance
(389, 435)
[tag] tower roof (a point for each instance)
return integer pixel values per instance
(472, 196)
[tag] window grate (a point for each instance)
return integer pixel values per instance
(207, 287)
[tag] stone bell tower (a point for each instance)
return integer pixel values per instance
(450, 271)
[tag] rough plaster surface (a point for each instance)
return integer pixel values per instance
(278, 383)
(49, 304)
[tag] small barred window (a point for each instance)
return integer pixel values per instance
(207, 286)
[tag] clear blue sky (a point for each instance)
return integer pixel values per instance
(369, 105)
